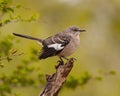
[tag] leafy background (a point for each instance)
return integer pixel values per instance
(97, 69)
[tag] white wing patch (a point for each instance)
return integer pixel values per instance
(56, 46)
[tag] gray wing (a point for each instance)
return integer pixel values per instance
(54, 44)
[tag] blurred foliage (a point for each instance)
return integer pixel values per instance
(73, 83)
(85, 78)
(22, 74)
(19, 77)
(6, 51)
(7, 9)
(5, 45)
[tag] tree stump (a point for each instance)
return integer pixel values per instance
(56, 80)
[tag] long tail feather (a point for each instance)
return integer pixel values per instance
(28, 37)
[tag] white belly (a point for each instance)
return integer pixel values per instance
(71, 47)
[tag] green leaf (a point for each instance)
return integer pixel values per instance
(9, 59)
(99, 78)
(112, 72)
(9, 9)
(18, 6)
(1, 24)
(85, 78)
(72, 83)
(6, 21)
(13, 51)
(1, 65)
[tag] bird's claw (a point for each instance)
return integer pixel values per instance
(61, 62)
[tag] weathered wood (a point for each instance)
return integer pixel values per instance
(55, 81)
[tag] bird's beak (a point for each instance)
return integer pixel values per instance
(82, 30)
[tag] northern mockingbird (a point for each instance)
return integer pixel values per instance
(62, 44)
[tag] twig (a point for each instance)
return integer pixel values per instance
(13, 55)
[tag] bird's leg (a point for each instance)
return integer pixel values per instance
(61, 60)
(65, 58)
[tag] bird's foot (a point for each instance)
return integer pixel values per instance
(60, 62)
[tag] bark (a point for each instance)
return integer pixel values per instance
(56, 80)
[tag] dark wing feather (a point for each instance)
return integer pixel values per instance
(61, 38)
(47, 52)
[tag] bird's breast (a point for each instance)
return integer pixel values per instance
(71, 47)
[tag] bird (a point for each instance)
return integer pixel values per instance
(62, 44)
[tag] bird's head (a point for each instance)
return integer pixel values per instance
(74, 30)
